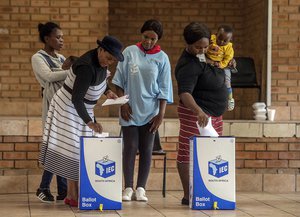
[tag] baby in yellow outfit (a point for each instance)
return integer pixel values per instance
(220, 53)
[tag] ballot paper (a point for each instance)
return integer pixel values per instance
(208, 130)
(118, 101)
(103, 134)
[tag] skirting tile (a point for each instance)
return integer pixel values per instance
(13, 184)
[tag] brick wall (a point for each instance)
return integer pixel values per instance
(19, 152)
(265, 146)
(127, 17)
(22, 152)
(253, 40)
(286, 56)
(268, 155)
(82, 23)
(256, 155)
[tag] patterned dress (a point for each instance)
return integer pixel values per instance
(188, 129)
(64, 127)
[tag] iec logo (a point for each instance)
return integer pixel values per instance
(218, 167)
(105, 167)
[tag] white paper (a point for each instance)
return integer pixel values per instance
(208, 130)
(103, 134)
(118, 101)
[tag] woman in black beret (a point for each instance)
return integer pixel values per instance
(71, 114)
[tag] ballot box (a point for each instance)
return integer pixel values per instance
(212, 173)
(100, 173)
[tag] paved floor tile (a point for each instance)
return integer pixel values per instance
(248, 205)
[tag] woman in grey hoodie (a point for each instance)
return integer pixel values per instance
(47, 67)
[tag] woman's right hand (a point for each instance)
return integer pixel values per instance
(96, 127)
(126, 112)
(202, 118)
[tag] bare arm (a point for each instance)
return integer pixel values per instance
(188, 100)
(157, 120)
(126, 111)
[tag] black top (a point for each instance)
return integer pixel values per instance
(204, 82)
(88, 73)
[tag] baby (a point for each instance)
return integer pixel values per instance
(220, 53)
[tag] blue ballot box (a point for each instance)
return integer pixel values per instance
(100, 173)
(212, 173)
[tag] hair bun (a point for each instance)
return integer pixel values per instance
(40, 26)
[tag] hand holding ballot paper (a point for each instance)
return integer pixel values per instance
(208, 130)
(118, 101)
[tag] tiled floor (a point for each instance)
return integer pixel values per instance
(248, 204)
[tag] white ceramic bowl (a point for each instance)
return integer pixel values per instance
(259, 105)
(260, 111)
(260, 117)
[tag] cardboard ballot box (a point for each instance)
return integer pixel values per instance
(212, 173)
(100, 173)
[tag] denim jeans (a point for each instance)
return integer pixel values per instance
(61, 182)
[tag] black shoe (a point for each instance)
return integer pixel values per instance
(44, 195)
(61, 196)
(185, 201)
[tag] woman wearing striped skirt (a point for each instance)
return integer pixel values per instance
(202, 93)
(71, 113)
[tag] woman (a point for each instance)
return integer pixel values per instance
(202, 93)
(47, 67)
(71, 112)
(145, 76)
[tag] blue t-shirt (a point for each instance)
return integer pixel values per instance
(146, 78)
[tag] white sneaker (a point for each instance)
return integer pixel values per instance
(140, 194)
(127, 194)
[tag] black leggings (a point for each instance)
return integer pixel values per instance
(137, 138)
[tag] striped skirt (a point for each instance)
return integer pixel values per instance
(188, 128)
(61, 138)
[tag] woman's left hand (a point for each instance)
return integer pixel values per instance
(202, 118)
(111, 95)
(156, 122)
